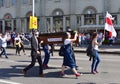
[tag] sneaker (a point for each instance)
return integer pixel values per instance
(93, 72)
(45, 66)
(77, 75)
(6, 57)
(96, 71)
(63, 74)
(24, 53)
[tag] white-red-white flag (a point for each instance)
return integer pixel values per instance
(109, 25)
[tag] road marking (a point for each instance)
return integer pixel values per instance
(8, 82)
(77, 58)
(11, 61)
(104, 59)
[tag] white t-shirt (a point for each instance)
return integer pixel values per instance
(3, 42)
(95, 46)
(67, 41)
(17, 39)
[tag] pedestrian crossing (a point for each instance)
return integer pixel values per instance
(8, 82)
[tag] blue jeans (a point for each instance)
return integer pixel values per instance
(95, 61)
(47, 54)
(3, 51)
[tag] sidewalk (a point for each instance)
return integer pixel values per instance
(114, 49)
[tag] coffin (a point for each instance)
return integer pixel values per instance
(54, 38)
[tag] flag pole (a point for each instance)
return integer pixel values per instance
(33, 11)
(104, 33)
(104, 25)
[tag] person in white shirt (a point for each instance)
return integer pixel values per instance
(23, 38)
(68, 58)
(96, 58)
(17, 44)
(3, 41)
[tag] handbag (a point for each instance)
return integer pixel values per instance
(89, 51)
(61, 50)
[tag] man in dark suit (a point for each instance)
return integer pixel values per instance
(35, 54)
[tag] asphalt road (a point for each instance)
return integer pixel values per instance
(10, 70)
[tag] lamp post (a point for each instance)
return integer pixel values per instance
(104, 9)
(33, 10)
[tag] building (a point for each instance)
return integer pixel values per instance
(58, 15)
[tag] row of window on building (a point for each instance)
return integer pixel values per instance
(8, 3)
(59, 21)
(90, 19)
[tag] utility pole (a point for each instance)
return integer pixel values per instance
(33, 10)
(104, 10)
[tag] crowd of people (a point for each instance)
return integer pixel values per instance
(84, 38)
(68, 58)
(14, 39)
(17, 41)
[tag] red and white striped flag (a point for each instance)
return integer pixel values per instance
(109, 25)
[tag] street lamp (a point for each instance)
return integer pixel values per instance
(33, 10)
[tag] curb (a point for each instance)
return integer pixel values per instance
(102, 52)
(80, 50)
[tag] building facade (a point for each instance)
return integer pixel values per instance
(58, 15)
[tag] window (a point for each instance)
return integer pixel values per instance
(7, 18)
(58, 20)
(30, 2)
(36, 1)
(2, 3)
(13, 2)
(101, 20)
(115, 19)
(7, 3)
(67, 22)
(57, 0)
(48, 25)
(78, 20)
(25, 1)
(57, 12)
(90, 19)
(90, 16)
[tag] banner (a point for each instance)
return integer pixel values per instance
(33, 22)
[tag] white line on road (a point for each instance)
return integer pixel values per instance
(104, 59)
(10, 61)
(8, 82)
(77, 58)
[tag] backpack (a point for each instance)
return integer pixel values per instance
(61, 51)
(89, 51)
